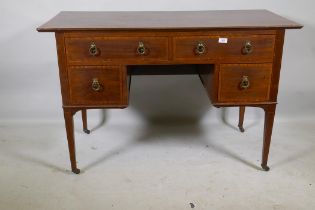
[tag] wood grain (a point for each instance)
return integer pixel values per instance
(150, 20)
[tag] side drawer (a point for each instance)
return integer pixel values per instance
(225, 48)
(98, 85)
(104, 50)
(244, 82)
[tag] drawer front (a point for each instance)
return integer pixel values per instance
(102, 50)
(244, 82)
(225, 48)
(99, 85)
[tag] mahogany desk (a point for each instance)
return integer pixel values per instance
(237, 55)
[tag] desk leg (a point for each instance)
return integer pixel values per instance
(68, 114)
(84, 121)
(269, 118)
(241, 118)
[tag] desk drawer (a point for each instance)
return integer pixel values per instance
(98, 85)
(244, 82)
(102, 50)
(225, 48)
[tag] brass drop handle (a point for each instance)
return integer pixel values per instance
(248, 48)
(200, 48)
(141, 49)
(93, 50)
(244, 82)
(96, 85)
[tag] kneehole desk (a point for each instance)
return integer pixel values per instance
(237, 55)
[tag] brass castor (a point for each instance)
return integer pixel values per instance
(76, 171)
(241, 129)
(265, 167)
(87, 131)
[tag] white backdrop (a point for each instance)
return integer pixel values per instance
(29, 83)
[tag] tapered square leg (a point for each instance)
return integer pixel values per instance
(241, 118)
(68, 115)
(269, 119)
(84, 121)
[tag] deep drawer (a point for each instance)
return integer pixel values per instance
(99, 85)
(244, 82)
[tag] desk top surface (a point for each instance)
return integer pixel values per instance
(165, 20)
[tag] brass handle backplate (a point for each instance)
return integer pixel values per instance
(248, 48)
(93, 50)
(96, 85)
(200, 48)
(141, 49)
(244, 82)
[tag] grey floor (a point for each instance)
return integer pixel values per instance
(157, 166)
